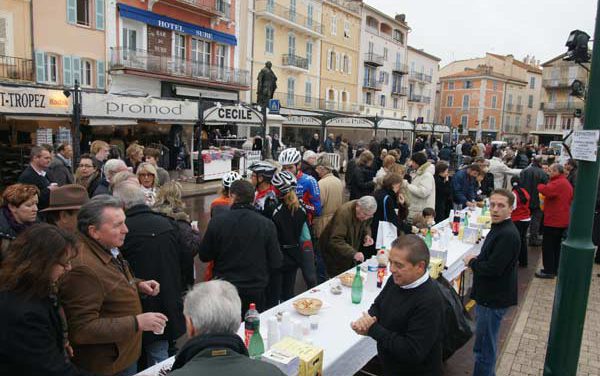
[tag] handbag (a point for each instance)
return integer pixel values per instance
(387, 232)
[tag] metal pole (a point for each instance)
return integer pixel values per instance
(263, 110)
(577, 251)
(76, 122)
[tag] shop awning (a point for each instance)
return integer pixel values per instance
(173, 24)
(99, 122)
(395, 124)
(38, 118)
(439, 128)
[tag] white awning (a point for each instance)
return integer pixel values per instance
(395, 124)
(98, 122)
(38, 118)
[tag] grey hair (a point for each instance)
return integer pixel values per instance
(91, 213)
(214, 307)
(129, 193)
(111, 166)
(558, 167)
(367, 203)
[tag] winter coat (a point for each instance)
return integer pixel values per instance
(309, 169)
(530, 178)
(32, 337)
(342, 238)
(463, 187)
(501, 171)
(521, 161)
(101, 300)
(421, 191)
(558, 195)
(361, 183)
(332, 197)
(59, 172)
(443, 198)
(153, 249)
(219, 354)
(30, 176)
(289, 228)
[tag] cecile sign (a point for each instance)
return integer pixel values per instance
(101, 105)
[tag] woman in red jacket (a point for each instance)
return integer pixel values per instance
(558, 195)
(521, 216)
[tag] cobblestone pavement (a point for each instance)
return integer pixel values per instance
(525, 348)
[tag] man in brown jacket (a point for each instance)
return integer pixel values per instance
(349, 229)
(100, 296)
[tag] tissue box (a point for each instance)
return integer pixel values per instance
(285, 361)
(311, 357)
(436, 266)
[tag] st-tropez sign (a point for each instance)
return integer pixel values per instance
(232, 114)
(25, 100)
(169, 23)
(117, 106)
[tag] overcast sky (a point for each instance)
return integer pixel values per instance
(463, 29)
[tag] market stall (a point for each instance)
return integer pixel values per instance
(357, 130)
(390, 128)
(345, 352)
(297, 130)
(442, 133)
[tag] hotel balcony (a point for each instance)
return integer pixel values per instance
(144, 63)
(400, 68)
(372, 84)
(214, 8)
(288, 17)
(373, 59)
(16, 68)
(400, 91)
(295, 62)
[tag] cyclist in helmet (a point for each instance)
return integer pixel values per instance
(265, 198)
(223, 202)
(307, 189)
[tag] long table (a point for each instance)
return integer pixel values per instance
(345, 352)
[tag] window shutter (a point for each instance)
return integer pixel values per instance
(76, 69)
(338, 64)
(328, 59)
(67, 70)
(3, 36)
(100, 75)
(100, 14)
(349, 65)
(40, 67)
(72, 11)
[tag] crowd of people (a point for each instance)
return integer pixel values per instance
(97, 266)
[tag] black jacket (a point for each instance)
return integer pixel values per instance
(103, 188)
(487, 184)
(152, 247)
(29, 176)
(247, 258)
(389, 210)
(289, 228)
(495, 269)
(443, 198)
(409, 330)
(309, 169)
(31, 338)
(521, 161)
(59, 172)
(361, 183)
(530, 178)
(220, 354)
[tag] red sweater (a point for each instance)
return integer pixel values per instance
(557, 202)
(522, 211)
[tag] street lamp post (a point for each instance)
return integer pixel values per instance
(76, 121)
(577, 251)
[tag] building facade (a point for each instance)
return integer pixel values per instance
(340, 56)
(383, 64)
(16, 53)
(558, 106)
(422, 82)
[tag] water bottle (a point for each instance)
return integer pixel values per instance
(372, 274)
(251, 324)
(257, 346)
(428, 238)
(357, 287)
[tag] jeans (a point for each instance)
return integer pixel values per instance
(129, 371)
(486, 337)
(156, 352)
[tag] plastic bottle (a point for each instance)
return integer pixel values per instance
(382, 261)
(455, 222)
(257, 346)
(251, 324)
(357, 287)
(428, 238)
(372, 273)
(461, 228)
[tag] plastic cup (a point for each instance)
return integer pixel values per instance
(160, 332)
(314, 322)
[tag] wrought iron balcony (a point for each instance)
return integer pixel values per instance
(557, 83)
(305, 102)
(401, 91)
(373, 59)
(372, 84)
(295, 61)
(560, 106)
(288, 16)
(16, 68)
(141, 60)
(212, 7)
(400, 68)
(419, 98)
(427, 78)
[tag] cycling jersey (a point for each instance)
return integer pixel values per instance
(266, 201)
(308, 191)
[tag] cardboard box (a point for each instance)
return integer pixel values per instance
(311, 357)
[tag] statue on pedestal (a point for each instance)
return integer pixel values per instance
(267, 83)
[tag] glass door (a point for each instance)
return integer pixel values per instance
(179, 53)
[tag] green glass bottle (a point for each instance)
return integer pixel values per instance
(428, 238)
(257, 346)
(357, 287)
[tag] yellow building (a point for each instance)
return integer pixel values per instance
(288, 34)
(16, 63)
(340, 60)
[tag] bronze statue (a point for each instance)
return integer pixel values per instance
(266, 85)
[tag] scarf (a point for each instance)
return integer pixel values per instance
(12, 222)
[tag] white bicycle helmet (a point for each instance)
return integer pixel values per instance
(289, 156)
(263, 168)
(284, 181)
(230, 177)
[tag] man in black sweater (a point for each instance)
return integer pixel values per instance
(494, 280)
(244, 246)
(406, 318)
(35, 174)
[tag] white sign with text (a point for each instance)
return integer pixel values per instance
(585, 145)
(26, 100)
(118, 106)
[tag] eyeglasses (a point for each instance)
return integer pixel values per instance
(144, 175)
(86, 166)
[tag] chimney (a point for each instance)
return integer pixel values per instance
(526, 59)
(401, 18)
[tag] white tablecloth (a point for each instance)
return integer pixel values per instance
(345, 352)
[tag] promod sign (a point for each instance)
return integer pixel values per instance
(232, 114)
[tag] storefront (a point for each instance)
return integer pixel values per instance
(357, 130)
(442, 133)
(392, 128)
(30, 116)
(425, 131)
(165, 124)
(298, 130)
